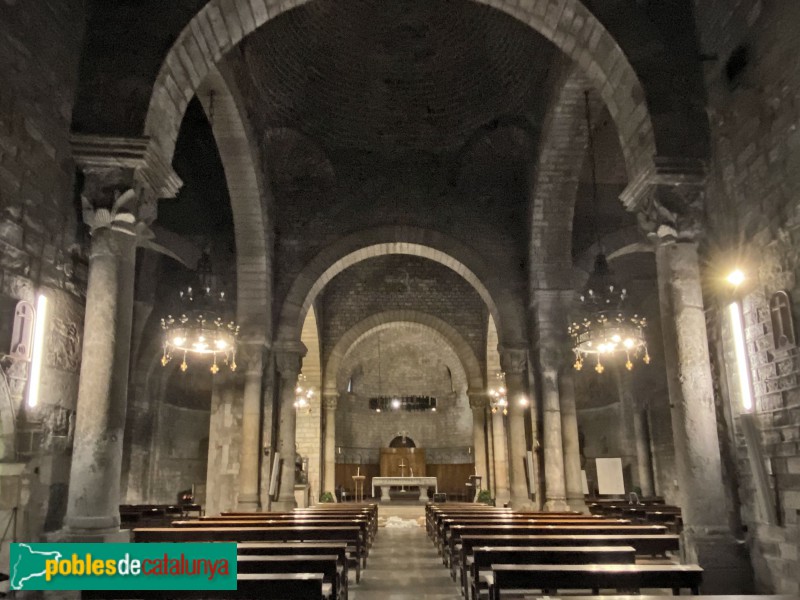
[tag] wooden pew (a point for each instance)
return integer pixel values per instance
(643, 545)
(269, 586)
(328, 564)
(336, 522)
(338, 549)
(351, 535)
(442, 535)
(506, 577)
(483, 557)
(371, 526)
(456, 531)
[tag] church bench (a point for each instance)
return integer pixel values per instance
(484, 556)
(351, 535)
(643, 545)
(333, 571)
(509, 577)
(445, 524)
(438, 517)
(371, 526)
(456, 531)
(362, 525)
(268, 586)
(340, 549)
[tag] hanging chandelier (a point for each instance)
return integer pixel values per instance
(498, 395)
(303, 395)
(203, 330)
(606, 328)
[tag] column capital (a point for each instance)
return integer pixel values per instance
(669, 198)
(513, 360)
(289, 357)
(330, 400)
(252, 355)
(478, 400)
(114, 164)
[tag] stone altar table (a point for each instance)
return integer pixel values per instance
(386, 482)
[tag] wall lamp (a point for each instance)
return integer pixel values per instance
(37, 351)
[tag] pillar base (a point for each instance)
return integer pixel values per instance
(248, 504)
(108, 536)
(556, 505)
(578, 504)
(284, 505)
(725, 560)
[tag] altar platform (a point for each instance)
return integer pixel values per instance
(423, 483)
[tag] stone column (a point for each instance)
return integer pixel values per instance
(670, 201)
(289, 361)
(500, 451)
(644, 460)
(251, 356)
(330, 400)
(624, 381)
(570, 440)
(549, 317)
(478, 403)
(514, 363)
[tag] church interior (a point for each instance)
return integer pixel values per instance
(540, 256)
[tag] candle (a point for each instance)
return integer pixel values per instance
(358, 472)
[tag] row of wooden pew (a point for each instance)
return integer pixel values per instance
(492, 551)
(305, 553)
(654, 512)
(155, 515)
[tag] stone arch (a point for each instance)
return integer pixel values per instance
(221, 24)
(556, 177)
(506, 309)
(461, 347)
(246, 189)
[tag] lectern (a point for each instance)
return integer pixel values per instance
(358, 483)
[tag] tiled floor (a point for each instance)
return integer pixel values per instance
(404, 565)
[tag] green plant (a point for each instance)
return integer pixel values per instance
(485, 497)
(326, 497)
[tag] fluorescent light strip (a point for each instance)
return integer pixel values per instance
(741, 355)
(38, 351)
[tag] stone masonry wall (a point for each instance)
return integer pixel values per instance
(40, 44)
(753, 85)
(402, 282)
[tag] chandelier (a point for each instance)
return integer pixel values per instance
(303, 395)
(202, 330)
(606, 328)
(498, 395)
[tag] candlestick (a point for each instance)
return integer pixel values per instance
(358, 471)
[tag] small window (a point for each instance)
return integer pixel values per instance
(780, 312)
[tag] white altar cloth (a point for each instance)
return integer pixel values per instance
(384, 483)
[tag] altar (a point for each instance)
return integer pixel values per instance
(424, 483)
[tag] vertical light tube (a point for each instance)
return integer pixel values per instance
(742, 366)
(38, 351)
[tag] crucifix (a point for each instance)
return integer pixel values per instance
(402, 465)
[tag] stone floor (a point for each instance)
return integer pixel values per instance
(403, 564)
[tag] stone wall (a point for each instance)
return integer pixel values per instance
(402, 282)
(753, 196)
(40, 47)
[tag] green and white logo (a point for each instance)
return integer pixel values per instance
(197, 566)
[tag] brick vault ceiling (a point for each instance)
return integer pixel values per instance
(406, 75)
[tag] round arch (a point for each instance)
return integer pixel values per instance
(506, 309)
(456, 341)
(569, 25)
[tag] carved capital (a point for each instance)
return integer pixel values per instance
(478, 400)
(117, 164)
(251, 356)
(513, 360)
(669, 199)
(289, 358)
(330, 400)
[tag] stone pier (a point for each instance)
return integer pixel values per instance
(251, 357)
(289, 362)
(514, 363)
(569, 437)
(330, 400)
